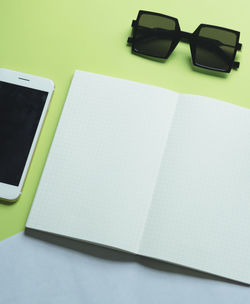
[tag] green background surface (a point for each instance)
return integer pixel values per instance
(52, 38)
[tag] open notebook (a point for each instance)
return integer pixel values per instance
(150, 171)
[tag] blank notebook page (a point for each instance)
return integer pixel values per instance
(98, 181)
(200, 213)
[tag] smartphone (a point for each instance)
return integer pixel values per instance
(24, 100)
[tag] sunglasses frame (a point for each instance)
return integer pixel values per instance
(191, 38)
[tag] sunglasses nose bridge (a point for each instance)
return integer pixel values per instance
(185, 36)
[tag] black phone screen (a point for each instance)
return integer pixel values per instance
(20, 112)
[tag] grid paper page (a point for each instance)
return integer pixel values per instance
(98, 181)
(200, 214)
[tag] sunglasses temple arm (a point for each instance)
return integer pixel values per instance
(185, 37)
(214, 45)
(155, 32)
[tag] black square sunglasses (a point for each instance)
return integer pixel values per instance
(212, 47)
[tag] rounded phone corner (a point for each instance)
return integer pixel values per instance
(17, 198)
(52, 84)
(11, 199)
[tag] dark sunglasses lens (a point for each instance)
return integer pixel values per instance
(154, 35)
(215, 48)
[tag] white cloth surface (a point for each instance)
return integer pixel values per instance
(56, 270)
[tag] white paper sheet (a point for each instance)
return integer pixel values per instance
(34, 271)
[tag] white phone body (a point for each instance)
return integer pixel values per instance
(11, 192)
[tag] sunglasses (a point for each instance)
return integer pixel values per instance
(212, 47)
